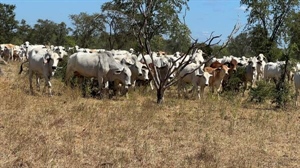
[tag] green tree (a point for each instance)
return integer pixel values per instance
(61, 34)
(267, 21)
(87, 28)
(120, 34)
(8, 24)
(23, 32)
(293, 34)
(44, 32)
(239, 46)
(147, 20)
(179, 38)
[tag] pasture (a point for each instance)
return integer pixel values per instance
(67, 130)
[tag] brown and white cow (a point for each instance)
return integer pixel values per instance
(7, 51)
(218, 74)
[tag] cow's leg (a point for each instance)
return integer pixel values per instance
(100, 85)
(179, 88)
(133, 84)
(151, 84)
(244, 87)
(194, 90)
(212, 88)
(68, 76)
(37, 83)
(201, 92)
(47, 84)
(296, 96)
(30, 81)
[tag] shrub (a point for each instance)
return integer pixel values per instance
(264, 91)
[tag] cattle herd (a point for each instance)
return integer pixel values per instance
(124, 68)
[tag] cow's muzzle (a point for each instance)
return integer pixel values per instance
(54, 67)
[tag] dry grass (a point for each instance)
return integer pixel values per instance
(67, 130)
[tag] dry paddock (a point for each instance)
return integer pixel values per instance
(67, 130)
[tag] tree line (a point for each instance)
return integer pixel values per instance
(272, 26)
(152, 25)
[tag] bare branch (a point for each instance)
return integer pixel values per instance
(184, 23)
(235, 29)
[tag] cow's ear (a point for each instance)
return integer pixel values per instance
(46, 58)
(123, 61)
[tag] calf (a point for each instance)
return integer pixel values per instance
(218, 74)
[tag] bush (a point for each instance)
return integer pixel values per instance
(235, 82)
(282, 95)
(264, 91)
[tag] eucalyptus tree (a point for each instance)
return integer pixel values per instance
(8, 24)
(87, 28)
(267, 20)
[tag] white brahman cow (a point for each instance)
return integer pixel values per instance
(101, 66)
(261, 62)
(42, 63)
(297, 84)
(193, 74)
(250, 73)
(273, 70)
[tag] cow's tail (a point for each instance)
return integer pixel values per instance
(21, 67)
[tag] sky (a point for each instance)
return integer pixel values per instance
(203, 18)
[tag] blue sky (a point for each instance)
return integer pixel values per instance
(204, 16)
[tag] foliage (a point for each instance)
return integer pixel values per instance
(179, 38)
(149, 20)
(264, 91)
(267, 21)
(278, 92)
(235, 81)
(282, 96)
(239, 46)
(8, 24)
(23, 33)
(86, 28)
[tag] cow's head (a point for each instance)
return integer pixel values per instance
(205, 75)
(124, 75)
(52, 59)
(60, 50)
(139, 68)
(223, 69)
(26, 44)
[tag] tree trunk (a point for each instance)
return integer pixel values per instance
(160, 95)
